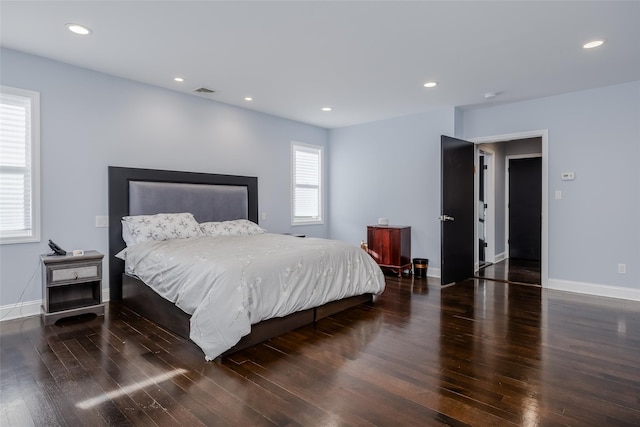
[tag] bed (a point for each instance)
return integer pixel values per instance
(214, 199)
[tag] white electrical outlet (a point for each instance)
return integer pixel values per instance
(622, 268)
(102, 221)
(558, 194)
(263, 216)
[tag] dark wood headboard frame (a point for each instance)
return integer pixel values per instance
(119, 178)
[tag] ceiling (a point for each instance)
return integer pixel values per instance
(368, 60)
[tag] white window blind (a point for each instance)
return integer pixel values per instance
(307, 184)
(19, 138)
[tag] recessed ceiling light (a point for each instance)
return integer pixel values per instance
(592, 44)
(326, 108)
(248, 98)
(431, 84)
(179, 79)
(79, 29)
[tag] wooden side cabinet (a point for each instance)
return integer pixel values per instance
(71, 285)
(390, 246)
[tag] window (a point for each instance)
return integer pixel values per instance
(19, 165)
(306, 194)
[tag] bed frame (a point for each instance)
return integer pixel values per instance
(210, 197)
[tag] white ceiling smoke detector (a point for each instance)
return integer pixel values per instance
(204, 90)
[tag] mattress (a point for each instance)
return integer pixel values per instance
(228, 283)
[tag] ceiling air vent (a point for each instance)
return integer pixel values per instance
(203, 90)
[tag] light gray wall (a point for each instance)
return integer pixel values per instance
(388, 169)
(596, 134)
(391, 169)
(91, 120)
(378, 168)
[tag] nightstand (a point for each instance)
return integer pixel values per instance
(390, 246)
(71, 285)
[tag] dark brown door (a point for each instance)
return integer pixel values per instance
(391, 242)
(382, 246)
(457, 215)
(525, 208)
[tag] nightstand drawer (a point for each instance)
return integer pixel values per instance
(76, 273)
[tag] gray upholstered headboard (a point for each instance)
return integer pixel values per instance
(210, 197)
(205, 202)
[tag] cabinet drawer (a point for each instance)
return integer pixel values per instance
(86, 272)
(75, 273)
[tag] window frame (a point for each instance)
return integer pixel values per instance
(33, 166)
(319, 150)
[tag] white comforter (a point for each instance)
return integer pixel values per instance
(229, 283)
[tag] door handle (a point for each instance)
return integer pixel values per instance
(444, 218)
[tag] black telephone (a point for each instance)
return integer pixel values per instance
(57, 250)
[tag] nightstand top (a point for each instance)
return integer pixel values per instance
(69, 257)
(389, 226)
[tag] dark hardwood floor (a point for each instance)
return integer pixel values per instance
(512, 271)
(477, 353)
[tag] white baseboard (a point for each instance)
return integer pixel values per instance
(433, 272)
(19, 310)
(594, 289)
(30, 308)
(500, 257)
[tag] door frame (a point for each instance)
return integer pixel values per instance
(543, 134)
(507, 159)
(490, 200)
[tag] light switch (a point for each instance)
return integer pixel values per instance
(102, 221)
(558, 194)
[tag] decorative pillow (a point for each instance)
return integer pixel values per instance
(236, 227)
(144, 228)
(126, 234)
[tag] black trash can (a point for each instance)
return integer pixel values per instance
(420, 266)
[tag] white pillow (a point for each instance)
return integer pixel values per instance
(236, 227)
(162, 226)
(126, 234)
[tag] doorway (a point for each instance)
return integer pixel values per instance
(506, 267)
